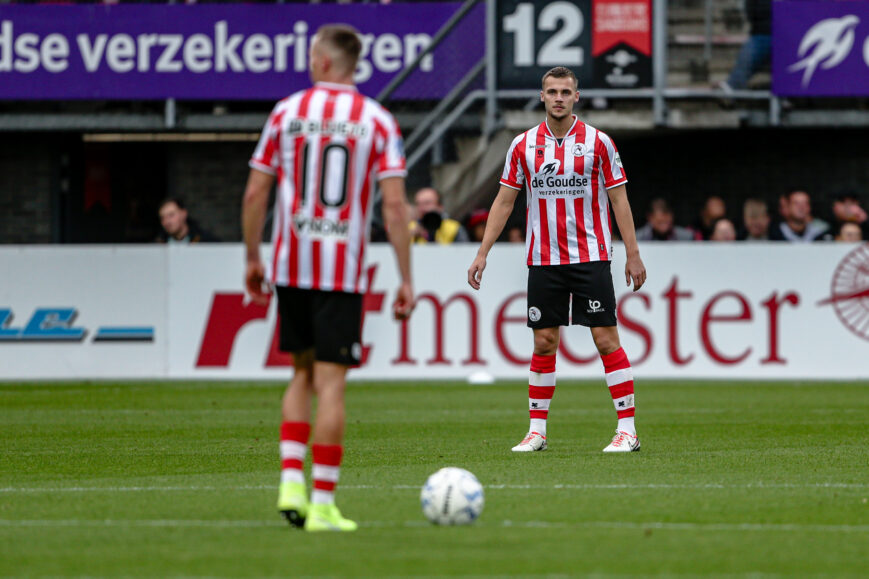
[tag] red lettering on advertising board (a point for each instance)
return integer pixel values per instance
(502, 318)
(672, 295)
(708, 317)
(439, 308)
(772, 305)
(229, 314)
(632, 325)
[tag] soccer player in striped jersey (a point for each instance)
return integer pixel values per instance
(323, 147)
(571, 173)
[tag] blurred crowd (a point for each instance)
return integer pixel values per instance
(793, 220)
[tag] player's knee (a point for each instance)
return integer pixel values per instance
(545, 343)
(304, 361)
(606, 343)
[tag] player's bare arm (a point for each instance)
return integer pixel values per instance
(397, 220)
(253, 218)
(635, 271)
(498, 216)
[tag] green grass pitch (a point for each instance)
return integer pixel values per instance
(178, 479)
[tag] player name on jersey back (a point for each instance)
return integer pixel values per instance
(327, 127)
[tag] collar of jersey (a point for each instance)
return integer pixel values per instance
(335, 86)
(572, 129)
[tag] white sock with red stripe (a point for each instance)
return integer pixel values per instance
(541, 388)
(294, 445)
(327, 464)
(620, 380)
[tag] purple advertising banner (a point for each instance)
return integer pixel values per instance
(223, 52)
(820, 48)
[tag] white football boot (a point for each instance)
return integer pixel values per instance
(623, 442)
(532, 441)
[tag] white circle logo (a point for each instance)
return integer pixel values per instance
(533, 314)
(578, 150)
(356, 351)
(849, 291)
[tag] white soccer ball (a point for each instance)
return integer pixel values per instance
(452, 496)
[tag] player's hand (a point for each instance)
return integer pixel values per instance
(475, 272)
(403, 305)
(635, 271)
(254, 278)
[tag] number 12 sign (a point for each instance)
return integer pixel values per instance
(607, 43)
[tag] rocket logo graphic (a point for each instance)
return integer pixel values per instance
(826, 44)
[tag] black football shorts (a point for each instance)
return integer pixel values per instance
(589, 286)
(329, 322)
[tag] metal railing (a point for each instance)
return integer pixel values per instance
(436, 123)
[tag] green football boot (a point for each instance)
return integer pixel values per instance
(327, 518)
(293, 503)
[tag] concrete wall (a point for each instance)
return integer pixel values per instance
(210, 178)
(26, 173)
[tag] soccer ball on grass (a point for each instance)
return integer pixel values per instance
(452, 496)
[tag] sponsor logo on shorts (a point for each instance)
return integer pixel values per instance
(356, 351)
(534, 314)
(594, 307)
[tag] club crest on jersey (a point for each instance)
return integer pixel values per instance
(578, 150)
(320, 228)
(618, 160)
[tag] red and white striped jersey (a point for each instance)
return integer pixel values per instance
(325, 145)
(565, 184)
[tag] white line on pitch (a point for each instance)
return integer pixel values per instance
(664, 526)
(618, 486)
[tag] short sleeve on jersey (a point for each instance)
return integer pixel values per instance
(392, 162)
(513, 175)
(266, 156)
(610, 162)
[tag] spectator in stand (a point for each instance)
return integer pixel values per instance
(515, 232)
(659, 225)
(847, 209)
(432, 224)
(477, 224)
(849, 232)
(178, 226)
(723, 230)
(755, 221)
(783, 207)
(712, 211)
(798, 224)
(755, 53)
